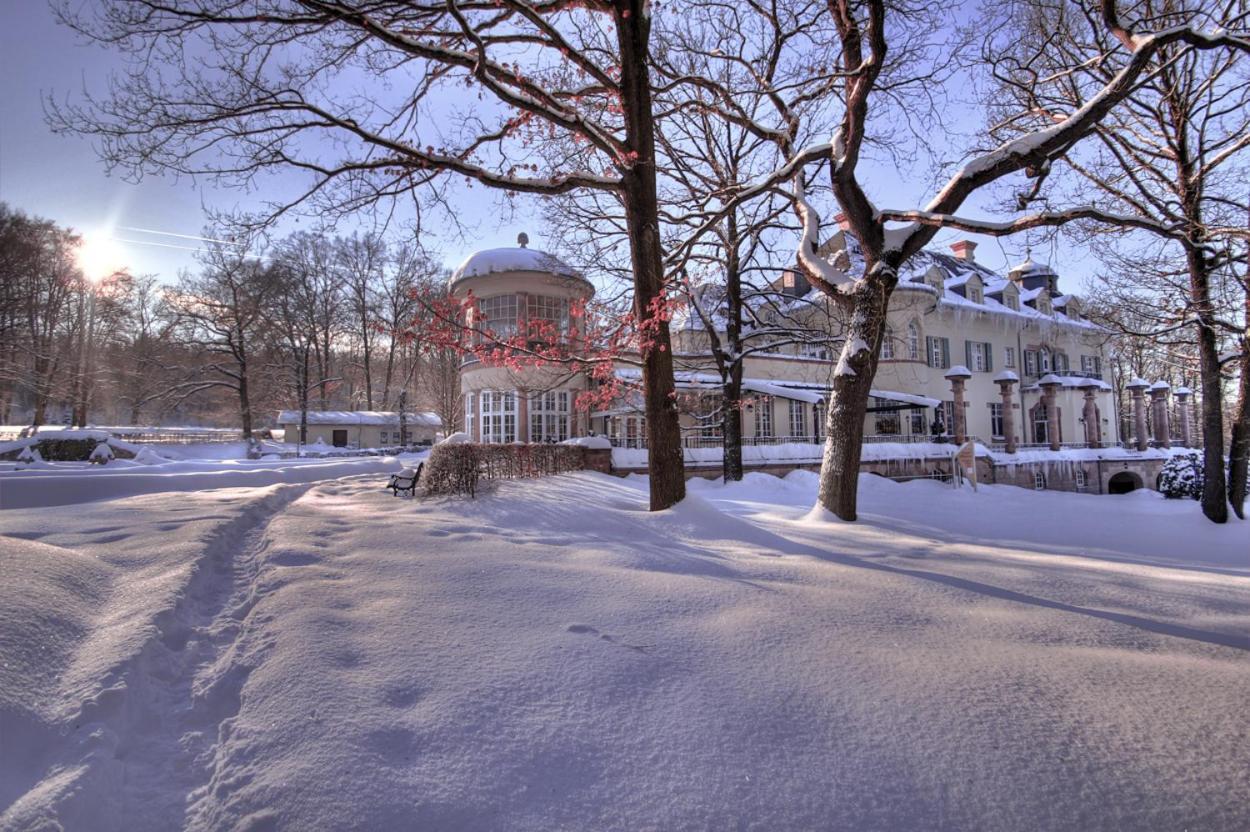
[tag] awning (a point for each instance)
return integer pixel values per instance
(906, 398)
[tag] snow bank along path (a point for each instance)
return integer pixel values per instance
(553, 656)
(58, 486)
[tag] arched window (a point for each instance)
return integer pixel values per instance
(1043, 356)
(887, 343)
(1039, 481)
(913, 341)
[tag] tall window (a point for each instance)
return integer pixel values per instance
(1082, 481)
(913, 341)
(1009, 357)
(887, 422)
(498, 315)
(1030, 362)
(498, 416)
(798, 420)
(1041, 424)
(764, 417)
(814, 350)
(978, 356)
(947, 412)
(1011, 300)
(887, 343)
(470, 400)
(1039, 481)
(549, 417)
(974, 295)
(1091, 365)
(1043, 361)
(916, 422)
(939, 350)
(996, 418)
(818, 420)
(710, 417)
(548, 316)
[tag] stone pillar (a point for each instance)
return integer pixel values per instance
(1093, 427)
(1005, 380)
(1182, 404)
(1138, 389)
(1050, 385)
(957, 376)
(1159, 403)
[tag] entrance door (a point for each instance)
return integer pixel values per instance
(340, 438)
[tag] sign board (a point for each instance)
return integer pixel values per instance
(966, 460)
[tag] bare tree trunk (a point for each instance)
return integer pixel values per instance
(848, 401)
(1214, 488)
(245, 402)
(731, 408)
(667, 471)
(1239, 447)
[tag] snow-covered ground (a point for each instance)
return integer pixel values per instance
(160, 468)
(553, 656)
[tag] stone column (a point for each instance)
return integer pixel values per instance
(1138, 388)
(1182, 404)
(1159, 403)
(957, 376)
(1005, 380)
(1050, 385)
(1093, 427)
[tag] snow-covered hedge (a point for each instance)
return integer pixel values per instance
(457, 468)
(1182, 477)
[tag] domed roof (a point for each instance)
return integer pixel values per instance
(519, 259)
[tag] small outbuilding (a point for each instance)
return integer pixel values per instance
(361, 428)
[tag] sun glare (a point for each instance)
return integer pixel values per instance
(99, 256)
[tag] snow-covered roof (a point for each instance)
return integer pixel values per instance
(359, 417)
(1182, 391)
(1138, 382)
(959, 371)
(811, 392)
(1007, 375)
(518, 259)
(1160, 385)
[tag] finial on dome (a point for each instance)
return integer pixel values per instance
(523, 239)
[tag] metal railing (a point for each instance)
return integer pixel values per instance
(691, 441)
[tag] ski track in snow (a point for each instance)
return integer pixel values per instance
(151, 731)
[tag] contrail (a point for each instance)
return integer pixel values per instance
(183, 236)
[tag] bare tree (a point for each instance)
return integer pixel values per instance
(1170, 161)
(574, 74)
(222, 311)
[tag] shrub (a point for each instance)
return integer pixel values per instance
(458, 468)
(1181, 478)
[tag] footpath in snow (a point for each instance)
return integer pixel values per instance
(553, 656)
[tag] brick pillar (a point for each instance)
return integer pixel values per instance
(1049, 388)
(1093, 428)
(1005, 381)
(1182, 404)
(1159, 403)
(957, 377)
(1137, 387)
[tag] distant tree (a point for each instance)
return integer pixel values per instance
(221, 310)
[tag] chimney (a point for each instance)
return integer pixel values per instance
(965, 250)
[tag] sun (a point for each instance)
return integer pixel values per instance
(99, 256)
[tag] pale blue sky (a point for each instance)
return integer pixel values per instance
(60, 177)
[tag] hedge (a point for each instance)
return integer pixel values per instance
(458, 468)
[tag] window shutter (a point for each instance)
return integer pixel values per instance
(946, 353)
(989, 357)
(968, 355)
(928, 350)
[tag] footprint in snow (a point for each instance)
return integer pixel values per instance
(586, 629)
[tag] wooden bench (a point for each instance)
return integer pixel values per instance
(405, 482)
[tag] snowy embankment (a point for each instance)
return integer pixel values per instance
(553, 656)
(57, 484)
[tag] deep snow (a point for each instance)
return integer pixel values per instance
(553, 656)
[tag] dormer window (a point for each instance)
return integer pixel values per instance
(974, 295)
(1011, 300)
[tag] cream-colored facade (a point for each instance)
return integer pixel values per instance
(1014, 344)
(360, 428)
